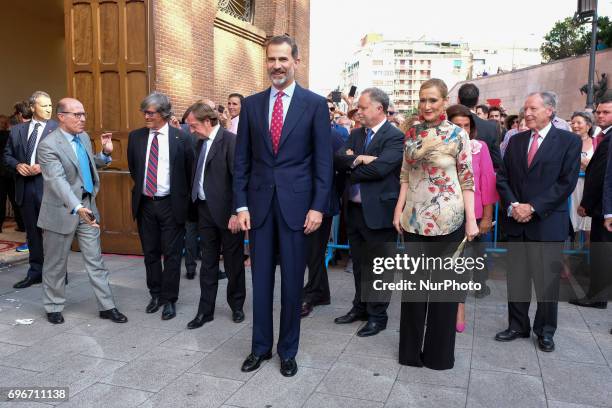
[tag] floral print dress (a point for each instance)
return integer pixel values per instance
(437, 167)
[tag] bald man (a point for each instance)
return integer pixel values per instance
(68, 208)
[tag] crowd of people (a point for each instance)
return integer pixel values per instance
(276, 167)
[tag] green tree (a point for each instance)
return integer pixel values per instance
(565, 39)
(568, 39)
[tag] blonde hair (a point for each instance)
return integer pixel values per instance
(436, 83)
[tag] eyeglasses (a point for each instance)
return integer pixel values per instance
(149, 113)
(77, 115)
(391, 113)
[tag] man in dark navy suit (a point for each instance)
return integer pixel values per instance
(282, 181)
(373, 156)
(20, 158)
(592, 205)
(540, 172)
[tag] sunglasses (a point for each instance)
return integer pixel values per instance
(390, 113)
(332, 108)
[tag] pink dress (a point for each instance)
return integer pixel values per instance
(485, 192)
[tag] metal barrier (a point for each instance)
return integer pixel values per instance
(333, 244)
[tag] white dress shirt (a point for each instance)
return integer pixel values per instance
(542, 133)
(288, 95)
(41, 128)
(234, 125)
(163, 161)
(211, 139)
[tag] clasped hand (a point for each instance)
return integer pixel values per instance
(522, 212)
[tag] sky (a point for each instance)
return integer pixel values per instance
(336, 26)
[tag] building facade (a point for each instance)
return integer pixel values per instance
(111, 53)
(399, 67)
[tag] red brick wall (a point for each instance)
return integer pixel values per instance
(194, 59)
(184, 58)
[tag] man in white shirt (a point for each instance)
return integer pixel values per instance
(234, 103)
(160, 158)
(20, 158)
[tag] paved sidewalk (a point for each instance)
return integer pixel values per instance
(151, 363)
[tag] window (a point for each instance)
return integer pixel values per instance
(241, 9)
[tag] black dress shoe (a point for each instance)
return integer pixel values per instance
(153, 305)
(222, 275)
(288, 367)
(371, 329)
(238, 316)
(350, 317)
(27, 282)
(114, 315)
(584, 302)
(253, 362)
(190, 275)
(169, 311)
(199, 321)
(546, 343)
(55, 317)
(306, 309)
(509, 335)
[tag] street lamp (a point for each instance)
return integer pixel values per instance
(587, 11)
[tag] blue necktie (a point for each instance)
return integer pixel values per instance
(355, 189)
(31, 143)
(83, 159)
(368, 139)
(195, 189)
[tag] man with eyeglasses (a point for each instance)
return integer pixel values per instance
(68, 209)
(20, 158)
(160, 159)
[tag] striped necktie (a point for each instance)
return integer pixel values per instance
(31, 143)
(151, 177)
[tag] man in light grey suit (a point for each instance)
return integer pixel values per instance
(68, 207)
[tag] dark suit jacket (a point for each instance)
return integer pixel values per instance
(218, 176)
(379, 180)
(607, 202)
(487, 132)
(546, 184)
(15, 153)
(300, 173)
(592, 196)
(339, 177)
(181, 162)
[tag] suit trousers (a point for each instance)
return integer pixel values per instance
(316, 290)
(427, 329)
(57, 248)
(192, 246)
(600, 286)
(358, 236)
(161, 235)
(7, 189)
(30, 209)
(271, 237)
(541, 263)
(214, 242)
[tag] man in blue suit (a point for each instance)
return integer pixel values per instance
(540, 172)
(282, 181)
(20, 159)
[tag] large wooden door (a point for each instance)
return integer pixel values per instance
(107, 70)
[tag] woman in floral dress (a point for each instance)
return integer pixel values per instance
(435, 205)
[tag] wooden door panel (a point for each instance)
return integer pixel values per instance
(107, 70)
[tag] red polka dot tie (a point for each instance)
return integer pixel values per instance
(276, 125)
